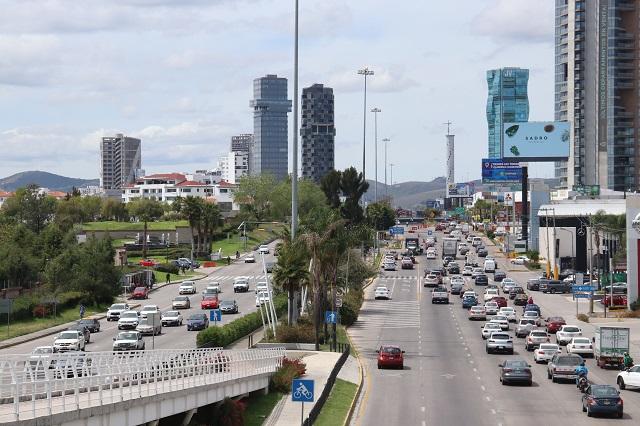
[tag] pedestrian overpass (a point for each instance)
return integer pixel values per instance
(126, 388)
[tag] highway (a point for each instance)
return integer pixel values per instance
(448, 378)
(175, 337)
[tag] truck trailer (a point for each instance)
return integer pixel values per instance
(610, 344)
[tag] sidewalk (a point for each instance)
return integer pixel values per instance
(319, 366)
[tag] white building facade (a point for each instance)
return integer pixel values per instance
(233, 166)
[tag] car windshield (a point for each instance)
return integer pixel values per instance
(500, 336)
(181, 298)
(549, 347)
(571, 329)
(196, 317)
(149, 308)
(516, 364)
(539, 333)
(603, 391)
(492, 326)
(556, 319)
(140, 289)
(129, 315)
(128, 336)
(582, 340)
(41, 351)
(227, 303)
(491, 305)
(569, 360)
(531, 314)
(390, 350)
(171, 314)
(209, 298)
(117, 306)
(144, 321)
(527, 322)
(68, 335)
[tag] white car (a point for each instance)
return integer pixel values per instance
(581, 346)
(250, 258)
(490, 327)
(180, 302)
(171, 318)
(532, 315)
(470, 293)
(187, 287)
(113, 314)
(476, 272)
(491, 308)
(545, 352)
(381, 293)
(520, 260)
(567, 333)
(128, 320)
(477, 313)
(467, 271)
(431, 255)
(263, 249)
(40, 359)
(630, 377)
(508, 284)
(389, 266)
(215, 286)
(456, 279)
(508, 312)
(502, 321)
(145, 326)
(490, 294)
(146, 309)
(240, 284)
(262, 298)
(261, 286)
(69, 340)
(535, 338)
(128, 341)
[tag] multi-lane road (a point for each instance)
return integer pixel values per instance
(175, 337)
(448, 378)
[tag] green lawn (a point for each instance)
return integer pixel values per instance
(23, 327)
(161, 277)
(259, 407)
(133, 226)
(336, 408)
(255, 237)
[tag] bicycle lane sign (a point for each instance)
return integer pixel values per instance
(302, 390)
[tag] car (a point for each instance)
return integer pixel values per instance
(128, 341)
(532, 315)
(475, 272)
(113, 314)
(520, 299)
(467, 271)
(187, 287)
(553, 324)
(431, 281)
(446, 260)
(393, 254)
(210, 292)
(520, 260)
(269, 266)
(209, 302)
(515, 370)
(431, 255)
(171, 318)
(71, 366)
(197, 321)
(440, 294)
(390, 356)
(406, 263)
(499, 341)
(629, 377)
(508, 284)
(93, 324)
(261, 286)
(602, 399)
(82, 329)
(181, 302)
(263, 249)
(469, 301)
(456, 287)
(229, 307)
(524, 327)
(188, 263)
(501, 320)
(389, 266)
(147, 309)
(140, 293)
(453, 268)
(250, 258)
(563, 367)
(40, 360)
(499, 276)
(533, 284)
(555, 286)
(381, 292)
(69, 340)
(482, 279)
(477, 313)
(488, 328)
(262, 298)
(240, 284)
(532, 307)
(618, 300)
(440, 273)
(490, 294)
(515, 291)
(489, 266)
(535, 338)
(213, 287)
(567, 333)
(581, 346)
(491, 308)
(482, 252)
(146, 326)
(128, 320)
(147, 262)
(545, 352)
(500, 300)
(508, 312)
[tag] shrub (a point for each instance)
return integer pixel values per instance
(635, 305)
(491, 235)
(583, 317)
(301, 333)
(282, 378)
(351, 307)
(41, 311)
(167, 267)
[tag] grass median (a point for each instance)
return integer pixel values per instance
(336, 408)
(259, 407)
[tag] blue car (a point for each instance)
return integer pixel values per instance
(602, 399)
(469, 301)
(532, 307)
(197, 321)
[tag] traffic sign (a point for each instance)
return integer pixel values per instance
(5, 306)
(302, 390)
(396, 230)
(499, 171)
(583, 288)
(582, 295)
(215, 315)
(430, 232)
(338, 302)
(330, 317)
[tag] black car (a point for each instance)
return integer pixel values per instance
(82, 329)
(515, 291)
(91, 323)
(198, 321)
(533, 284)
(482, 279)
(499, 276)
(602, 399)
(441, 271)
(554, 286)
(483, 253)
(453, 268)
(456, 288)
(229, 307)
(515, 370)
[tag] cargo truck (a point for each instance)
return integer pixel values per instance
(449, 247)
(610, 344)
(413, 244)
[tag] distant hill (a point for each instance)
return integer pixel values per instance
(44, 180)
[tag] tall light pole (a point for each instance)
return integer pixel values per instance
(375, 112)
(386, 188)
(294, 175)
(365, 72)
(391, 174)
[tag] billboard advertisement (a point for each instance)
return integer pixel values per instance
(536, 141)
(500, 172)
(459, 190)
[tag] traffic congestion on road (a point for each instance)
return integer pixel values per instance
(461, 338)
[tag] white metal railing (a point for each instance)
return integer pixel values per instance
(32, 386)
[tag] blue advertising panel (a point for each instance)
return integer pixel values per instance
(495, 170)
(536, 141)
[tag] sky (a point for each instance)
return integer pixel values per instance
(178, 74)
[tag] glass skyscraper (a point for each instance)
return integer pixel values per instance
(318, 132)
(507, 102)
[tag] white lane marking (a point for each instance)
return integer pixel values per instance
(468, 354)
(471, 361)
(488, 399)
(478, 377)
(493, 411)
(475, 369)
(483, 388)
(424, 423)
(422, 409)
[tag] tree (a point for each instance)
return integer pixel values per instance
(18, 267)
(31, 207)
(94, 273)
(211, 220)
(254, 195)
(330, 185)
(145, 210)
(290, 273)
(353, 188)
(112, 209)
(309, 196)
(381, 216)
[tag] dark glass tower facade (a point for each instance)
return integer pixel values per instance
(318, 132)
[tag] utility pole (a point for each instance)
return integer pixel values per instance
(590, 234)
(294, 174)
(386, 188)
(375, 112)
(365, 72)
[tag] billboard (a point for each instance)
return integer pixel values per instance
(536, 141)
(459, 190)
(500, 172)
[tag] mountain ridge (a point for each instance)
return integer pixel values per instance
(43, 179)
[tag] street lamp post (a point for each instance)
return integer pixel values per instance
(365, 72)
(294, 174)
(391, 174)
(375, 112)
(386, 188)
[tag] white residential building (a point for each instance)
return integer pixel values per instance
(234, 165)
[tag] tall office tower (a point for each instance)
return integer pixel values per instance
(121, 161)
(596, 89)
(270, 150)
(242, 142)
(507, 103)
(318, 132)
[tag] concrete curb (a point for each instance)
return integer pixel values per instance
(356, 397)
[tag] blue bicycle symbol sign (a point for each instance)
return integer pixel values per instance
(302, 390)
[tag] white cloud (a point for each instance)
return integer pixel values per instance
(384, 80)
(521, 21)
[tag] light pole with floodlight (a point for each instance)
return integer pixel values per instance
(386, 188)
(375, 112)
(365, 72)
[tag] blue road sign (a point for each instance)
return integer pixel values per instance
(582, 295)
(430, 232)
(215, 315)
(302, 390)
(396, 230)
(583, 288)
(500, 171)
(330, 317)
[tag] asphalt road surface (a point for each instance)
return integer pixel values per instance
(448, 378)
(175, 337)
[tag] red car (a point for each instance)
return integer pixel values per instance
(500, 300)
(147, 262)
(390, 356)
(209, 302)
(618, 300)
(554, 324)
(140, 293)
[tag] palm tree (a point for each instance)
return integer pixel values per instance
(290, 273)
(191, 208)
(146, 210)
(211, 219)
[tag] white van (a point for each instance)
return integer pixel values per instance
(476, 241)
(489, 265)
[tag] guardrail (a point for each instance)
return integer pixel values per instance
(41, 385)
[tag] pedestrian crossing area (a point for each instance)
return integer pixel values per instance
(398, 277)
(232, 277)
(388, 314)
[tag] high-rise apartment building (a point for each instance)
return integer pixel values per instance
(242, 142)
(507, 103)
(234, 165)
(270, 151)
(596, 89)
(120, 161)
(318, 132)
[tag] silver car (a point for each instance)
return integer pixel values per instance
(499, 342)
(535, 339)
(490, 328)
(545, 352)
(146, 326)
(525, 326)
